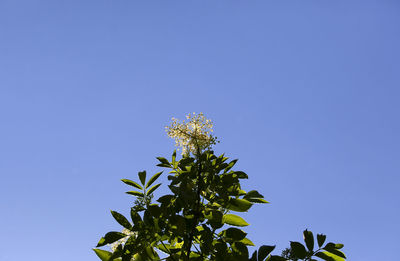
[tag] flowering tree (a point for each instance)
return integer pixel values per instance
(196, 221)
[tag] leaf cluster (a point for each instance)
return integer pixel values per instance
(199, 219)
(329, 252)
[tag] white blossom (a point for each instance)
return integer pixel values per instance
(123, 240)
(192, 135)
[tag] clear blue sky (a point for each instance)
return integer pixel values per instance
(305, 93)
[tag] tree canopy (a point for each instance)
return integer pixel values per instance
(200, 218)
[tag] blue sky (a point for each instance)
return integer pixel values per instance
(304, 93)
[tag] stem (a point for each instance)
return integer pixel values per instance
(169, 252)
(197, 207)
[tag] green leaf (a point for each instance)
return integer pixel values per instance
(166, 199)
(253, 194)
(333, 248)
(247, 242)
(337, 252)
(102, 254)
(149, 251)
(110, 237)
(264, 251)
(234, 220)
(136, 218)
(257, 200)
(155, 210)
(254, 256)
(151, 181)
(298, 250)
(131, 183)
(164, 247)
(331, 245)
(239, 205)
(151, 190)
(142, 177)
(135, 193)
(230, 165)
(255, 197)
(174, 157)
(240, 251)
(321, 239)
(309, 239)
(329, 256)
(235, 234)
(241, 175)
(339, 246)
(164, 162)
(121, 220)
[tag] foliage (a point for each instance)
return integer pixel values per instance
(200, 218)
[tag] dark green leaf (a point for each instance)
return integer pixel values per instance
(136, 219)
(309, 239)
(165, 199)
(255, 197)
(121, 220)
(230, 165)
(321, 239)
(299, 251)
(174, 157)
(257, 200)
(241, 175)
(110, 237)
(149, 251)
(131, 183)
(240, 251)
(235, 234)
(264, 251)
(135, 193)
(151, 190)
(253, 194)
(154, 210)
(234, 220)
(164, 162)
(254, 256)
(142, 177)
(151, 181)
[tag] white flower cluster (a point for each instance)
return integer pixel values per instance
(194, 135)
(123, 240)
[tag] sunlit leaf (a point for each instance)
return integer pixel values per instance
(152, 179)
(102, 254)
(151, 190)
(131, 183)
(239, 205)
(234, 220)
(329, 256)
(135, 193)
